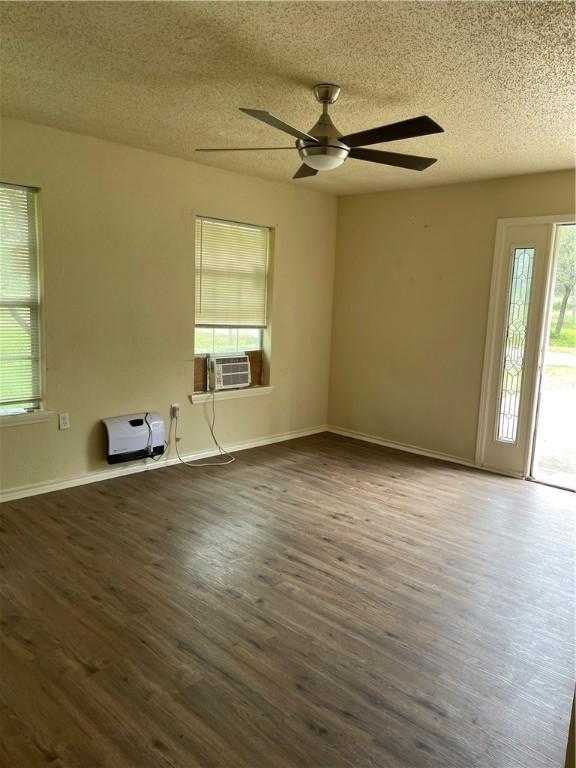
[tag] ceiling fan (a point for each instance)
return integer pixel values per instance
(324, 148)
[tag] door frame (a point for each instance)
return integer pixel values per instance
(496, 336)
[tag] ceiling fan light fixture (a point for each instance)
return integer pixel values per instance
(322, 157)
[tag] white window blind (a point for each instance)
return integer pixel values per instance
(20, 384)
(231, 274)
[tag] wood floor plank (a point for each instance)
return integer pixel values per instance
(321, 603)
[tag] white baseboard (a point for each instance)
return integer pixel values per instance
(96, 477)
(407, 448)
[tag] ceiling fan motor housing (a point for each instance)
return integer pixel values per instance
(329, 152)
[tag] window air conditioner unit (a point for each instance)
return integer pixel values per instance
(228, 372)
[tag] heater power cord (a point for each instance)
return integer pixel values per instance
(150, 447)
(211, 426)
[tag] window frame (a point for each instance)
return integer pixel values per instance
(38, 411)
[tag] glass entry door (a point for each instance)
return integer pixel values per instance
(520, 281)
(554, 451)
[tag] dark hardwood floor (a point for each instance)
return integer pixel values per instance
(321, 603)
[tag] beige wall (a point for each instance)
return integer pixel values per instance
(409, 316)
(119, 294)
(410, 307)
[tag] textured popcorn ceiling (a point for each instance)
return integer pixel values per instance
(169, 76)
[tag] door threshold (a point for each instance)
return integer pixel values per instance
(551, 485)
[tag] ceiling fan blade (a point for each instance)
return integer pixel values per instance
(405, 129)
(240, 149)
(414, 162)
(275, 122)
(304, 171)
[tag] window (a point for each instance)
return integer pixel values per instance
(515, 347)
(231, 286)
(233, 340)
(20, 358)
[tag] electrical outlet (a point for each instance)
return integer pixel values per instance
(63, 421)
(175, 410)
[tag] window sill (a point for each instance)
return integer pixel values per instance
(230, 394)
(19, 419)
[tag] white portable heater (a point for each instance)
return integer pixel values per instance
(228, 372)
(135, 436)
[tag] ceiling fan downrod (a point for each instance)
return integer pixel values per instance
(327, 152)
